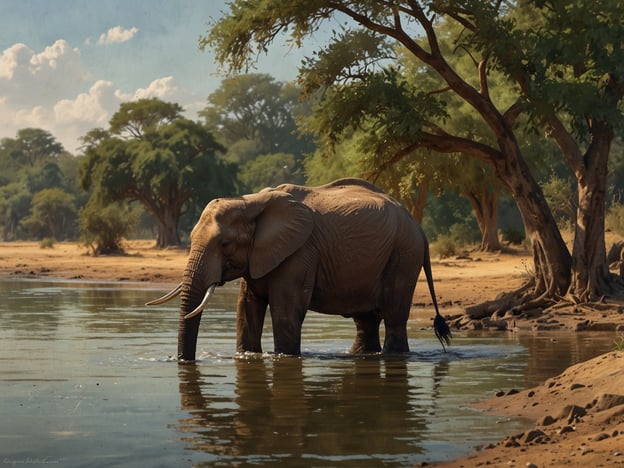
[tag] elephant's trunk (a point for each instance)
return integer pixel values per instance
(196, 285)
(187, 338)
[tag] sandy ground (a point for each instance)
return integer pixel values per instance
(579, 414)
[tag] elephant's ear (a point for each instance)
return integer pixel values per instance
(282, 227)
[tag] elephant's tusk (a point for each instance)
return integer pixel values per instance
(198, 310)
(167, 297)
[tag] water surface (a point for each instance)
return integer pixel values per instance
(87, 379)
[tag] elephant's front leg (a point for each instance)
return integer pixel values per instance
(287, 322)
(367, 337)
(250, 313)
(288, 306)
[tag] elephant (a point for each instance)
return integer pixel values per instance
(344, 248)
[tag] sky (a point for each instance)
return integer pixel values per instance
(67, 65)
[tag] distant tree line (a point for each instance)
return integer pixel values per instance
(151, 172)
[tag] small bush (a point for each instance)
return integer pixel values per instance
(614, 219)
(513, 236)
(47, 243)
(445, 246)
(103, 227)
(464, 234)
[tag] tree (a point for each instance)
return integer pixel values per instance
(33, 145)
(568, 83)
(572, 86)
(254, 107)
(15, 202)
(53, 214)
(103, 227)
(33, 187)
(151, 154)
(255, 116)
(268, 170)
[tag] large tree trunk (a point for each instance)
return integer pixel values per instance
(590, 277)
(551, 257)
(168, 229)
(485, 207)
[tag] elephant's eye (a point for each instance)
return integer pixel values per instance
(225, 244)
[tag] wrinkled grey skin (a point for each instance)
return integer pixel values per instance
(345, 248)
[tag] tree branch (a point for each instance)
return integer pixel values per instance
(556, 130)
(483, 82)
(512, 114)
(442, 142)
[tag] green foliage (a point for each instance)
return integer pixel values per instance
(615, 218)
(384, 107)
(269, 170)
(53, 214)
(33, 145)
(37, 190)
(353, 53)
(445, 246)
(444, 211)
(561, 197)
(513, 235)
(321, 168)
(167, 164)
(538, 44)
(464, 234)
(103, 228)
(615, 184)
(255, 117)
(134, 119)
(15, 202)
(458, 236)
(47, 243)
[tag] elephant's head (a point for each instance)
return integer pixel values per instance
(247, 236)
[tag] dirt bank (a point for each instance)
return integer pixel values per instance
(579, 417)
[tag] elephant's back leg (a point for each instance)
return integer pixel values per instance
(367, 335)
(399, 283)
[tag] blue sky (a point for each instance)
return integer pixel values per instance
(66, 65)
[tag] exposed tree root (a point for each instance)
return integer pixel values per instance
(531, 310)
(505, 302)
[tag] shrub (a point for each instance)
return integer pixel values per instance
(614, 219)
(103, 227)
(464, 234)
(445, 246)
(513, 236)
(47, 243)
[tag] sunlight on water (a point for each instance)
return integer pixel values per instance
(88, 378)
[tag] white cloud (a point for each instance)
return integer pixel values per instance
(117, 34)
(29, 78)
(167, 89)
(47, 90)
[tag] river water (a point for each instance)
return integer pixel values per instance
(87, 379)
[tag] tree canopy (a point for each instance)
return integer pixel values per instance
(153, 155)
(255, 118)
(568, 86)
(38, 196)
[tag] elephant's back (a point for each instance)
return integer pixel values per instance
(344, 196)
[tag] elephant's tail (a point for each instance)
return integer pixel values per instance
(441, 328)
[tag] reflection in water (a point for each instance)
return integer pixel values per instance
(86, 381)
(346, 410)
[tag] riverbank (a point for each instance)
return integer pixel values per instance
(459, 282)
(579, 415)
